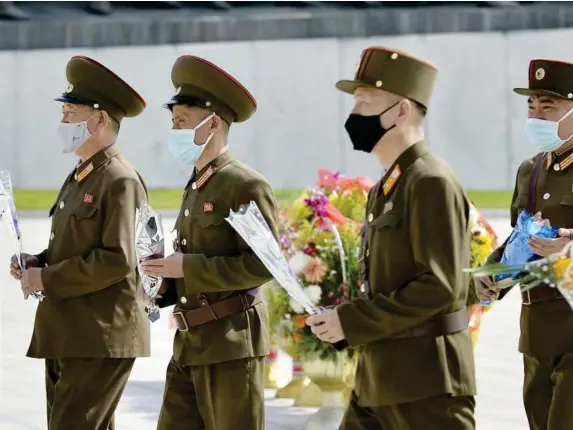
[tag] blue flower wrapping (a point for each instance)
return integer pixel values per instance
(517, 250)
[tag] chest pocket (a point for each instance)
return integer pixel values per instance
(387, 220)
(84, 212)
(567, 200)
(212, 235)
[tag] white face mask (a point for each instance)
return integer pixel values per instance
(73, 135)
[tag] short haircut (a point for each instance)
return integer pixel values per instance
(422, 110)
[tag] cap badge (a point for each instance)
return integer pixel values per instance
(539, 74)
(69, 88)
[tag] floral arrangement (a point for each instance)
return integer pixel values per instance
(320, 236)
(483, 242)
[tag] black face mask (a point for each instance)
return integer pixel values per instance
(366, 131)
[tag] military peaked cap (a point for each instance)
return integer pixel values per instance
(199, 82)
(550, 78)
(394, 71)
(92, 84)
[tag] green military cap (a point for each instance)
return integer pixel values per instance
(394, 71)
(199, 82)
(550, 78)
(92, 84)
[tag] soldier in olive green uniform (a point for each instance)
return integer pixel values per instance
(215, 380)
(91, 324)
(544, 184)
(415, 368)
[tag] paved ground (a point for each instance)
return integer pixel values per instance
(22, 396)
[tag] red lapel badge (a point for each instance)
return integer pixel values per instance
(88, 198)
(208, 207)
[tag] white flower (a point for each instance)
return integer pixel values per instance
(314, 293)
(297, 309)
(299, 261)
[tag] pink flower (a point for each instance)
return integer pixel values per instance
(315, 271)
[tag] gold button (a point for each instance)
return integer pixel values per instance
(556, 167)
(194, 185)
(52, 236)
(570, 96)
(186, 212)
(96, 106)
(370, 217)
(394, 56)
(546, 196)
(184, 242)
(62, 204)
(378, 84)
(207, 103)
(183, 300)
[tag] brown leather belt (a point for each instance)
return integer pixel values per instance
(186, 319)
(440, 325)
(541, 293)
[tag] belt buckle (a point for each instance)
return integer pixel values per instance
(528, 295)
(179, 317)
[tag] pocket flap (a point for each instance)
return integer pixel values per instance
(387, 220)
(567, 200)
(206, 220)
(84, 211)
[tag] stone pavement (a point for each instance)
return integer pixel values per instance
(22, 391)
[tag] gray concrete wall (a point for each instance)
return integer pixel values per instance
(65, 25)
(475, 120)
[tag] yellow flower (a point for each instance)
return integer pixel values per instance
(560, 268)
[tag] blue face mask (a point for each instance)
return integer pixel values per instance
(544, 134)
(182, 143)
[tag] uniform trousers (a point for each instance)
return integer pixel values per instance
(548, 392)
(83, 393)
(219, 396)
(435, 413)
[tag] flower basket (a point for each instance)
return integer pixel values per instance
(320, 235)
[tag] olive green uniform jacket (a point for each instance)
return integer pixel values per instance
(418, 238)
(93, 306)
(546, 328)
(218, 263)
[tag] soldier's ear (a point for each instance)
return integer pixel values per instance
(103, 120)
(216, 123)
(405, 110)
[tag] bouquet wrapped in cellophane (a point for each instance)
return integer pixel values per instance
(250, 224)
(9, 219)
(149, 244)
(555, 271)
(517, 251)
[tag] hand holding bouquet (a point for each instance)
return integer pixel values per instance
(149, 244)
(9, 220)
